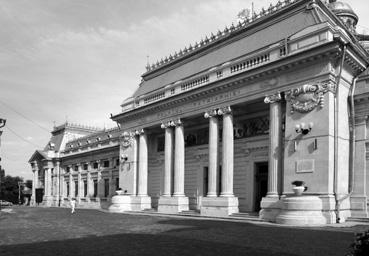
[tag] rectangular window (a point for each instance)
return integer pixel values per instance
(106, 163)
(116, 183)
(76, 188)
(85, 167)
(117, 162)
(106, 187)
(161, 144)
(68, 189)
(68, 169)
(85, 188)
(96, 165)
(76, 168)
(95, 188)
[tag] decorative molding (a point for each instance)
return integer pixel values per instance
(273, 98)
(307, 97)
(126, 139)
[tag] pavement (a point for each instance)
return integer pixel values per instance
(55, 231)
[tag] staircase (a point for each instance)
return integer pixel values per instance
(190, 213)
(252, 216)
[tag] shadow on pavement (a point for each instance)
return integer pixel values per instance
(131, 244)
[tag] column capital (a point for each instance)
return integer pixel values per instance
(211, 113)
(137, 132)
(273, 98)
(225, 111)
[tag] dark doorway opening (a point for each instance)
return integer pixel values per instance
(39, 195)
(261, 183)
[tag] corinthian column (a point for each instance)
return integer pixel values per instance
(179, 156)
(57, 182)
(143, 165)
(275, 131)
(213, 152)
(48, 181)
(227, 152)
(168, 164)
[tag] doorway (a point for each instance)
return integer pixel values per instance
(261, 183)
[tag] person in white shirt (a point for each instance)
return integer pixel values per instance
(72, 205)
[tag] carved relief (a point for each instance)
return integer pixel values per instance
(272, 98)
(307, 97)
(126, 140)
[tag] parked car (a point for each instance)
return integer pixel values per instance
(5, 203)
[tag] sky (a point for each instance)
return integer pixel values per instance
(77, 60)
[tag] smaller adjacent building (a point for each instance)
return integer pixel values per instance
(78, 162)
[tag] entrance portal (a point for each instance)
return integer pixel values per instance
(261, 183)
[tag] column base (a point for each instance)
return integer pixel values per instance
(173, 204)
(301, 211)
(47, 201)
(120, 203)
(219, 206)
(359, 208)
(140, 203)
(270, 208)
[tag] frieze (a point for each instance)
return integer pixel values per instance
(309, 96)
(200, 103)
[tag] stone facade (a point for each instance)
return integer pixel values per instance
(226, 125)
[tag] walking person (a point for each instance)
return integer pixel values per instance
(72, 205)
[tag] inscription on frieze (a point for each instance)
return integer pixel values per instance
(199, 103)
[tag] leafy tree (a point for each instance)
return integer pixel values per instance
(28, 184)
(9, 188)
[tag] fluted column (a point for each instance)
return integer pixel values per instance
(57, 181)
(227, 152)
(143, 165)
(135, 144)
(34, 184)
(71, 191)
(79, 182)
(48, 181)
(213, 152)
(275, 132)
(90, 188)
(179, 159)
(168, 162)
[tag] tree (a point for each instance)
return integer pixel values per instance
(9, 188)
(28, 184)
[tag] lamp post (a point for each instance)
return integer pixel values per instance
(2, 124)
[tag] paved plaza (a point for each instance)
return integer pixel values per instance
(54, 231)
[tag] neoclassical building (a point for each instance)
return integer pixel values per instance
(226, 124)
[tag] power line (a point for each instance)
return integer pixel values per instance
(19, 136)
(40, 126)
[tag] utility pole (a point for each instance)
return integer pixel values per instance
(2, 124)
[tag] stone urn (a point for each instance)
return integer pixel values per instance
(119, 192)
(298, 187)
(298, 190)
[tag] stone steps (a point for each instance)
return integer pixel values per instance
(357, 219)
(250, 216)
(190, 213)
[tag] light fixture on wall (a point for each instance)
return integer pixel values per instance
(303, 128)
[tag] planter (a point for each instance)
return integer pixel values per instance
(119, 192)
(298, 190)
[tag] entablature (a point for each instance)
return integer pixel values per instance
(308, 39)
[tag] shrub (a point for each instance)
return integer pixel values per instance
(361, 245)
